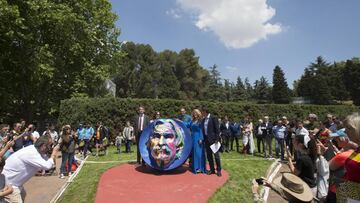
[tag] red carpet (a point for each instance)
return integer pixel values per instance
(131, 183)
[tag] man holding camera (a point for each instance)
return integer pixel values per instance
(25, 163)
(15, 135)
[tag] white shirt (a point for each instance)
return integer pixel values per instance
(24, 164)
(141, 122)
(128, 132)
(35, 134)
(302, 131)
(206, 123)
(54, 136)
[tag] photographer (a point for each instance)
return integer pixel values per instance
(25, 163)
(6, 146)
(288, 186)
(4, 138)
(15, 135)
(4, 130)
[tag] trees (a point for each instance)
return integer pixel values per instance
(144, 73)
(125, 74)
(239, 93)
(352, 79)
(215, 91)
(148, 73)
(52, 50)
(249, 89)
(262, 90)
(192, 77)
(309, 83)
(228, 90)
(335, 81)
(169, 85)
(280, 89)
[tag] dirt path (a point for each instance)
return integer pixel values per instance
(42, 189)
(273, 196)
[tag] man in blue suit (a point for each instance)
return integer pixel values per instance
(225, 129)
(235, 135)
(210, 128)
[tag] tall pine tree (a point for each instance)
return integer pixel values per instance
(262, 91)
(169, 85)
(309, 83)
(351, 78)
(280, 90)
(240, 91)
(249, 89)
(216, 91)
(228, 90)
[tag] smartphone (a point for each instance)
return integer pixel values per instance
(260, 181)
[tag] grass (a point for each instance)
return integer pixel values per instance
(83, 189)
(242, 170)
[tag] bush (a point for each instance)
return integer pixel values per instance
(114, 112)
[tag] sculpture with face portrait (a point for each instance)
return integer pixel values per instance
(164, 144)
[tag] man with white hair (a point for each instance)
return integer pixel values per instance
(313, 126)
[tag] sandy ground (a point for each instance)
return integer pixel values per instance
(273, 196)
(42, 189)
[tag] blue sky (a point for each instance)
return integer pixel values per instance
(246, 38)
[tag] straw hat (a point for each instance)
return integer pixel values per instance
(294, 186)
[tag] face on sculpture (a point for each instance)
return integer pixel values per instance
(164, 144)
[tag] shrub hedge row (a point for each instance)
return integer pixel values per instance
(114, 112)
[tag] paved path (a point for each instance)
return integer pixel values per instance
(273, 196)
(131, 183)
(42, 189)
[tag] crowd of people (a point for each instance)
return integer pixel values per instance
(24, 152)
(322, 156)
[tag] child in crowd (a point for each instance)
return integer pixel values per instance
(118, 141)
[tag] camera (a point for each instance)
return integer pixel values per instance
(260, 181)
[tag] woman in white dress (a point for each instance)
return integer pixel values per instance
(248, 138)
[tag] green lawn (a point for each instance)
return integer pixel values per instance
(83, 189)
(242, 170)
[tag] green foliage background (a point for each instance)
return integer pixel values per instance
(114, 112)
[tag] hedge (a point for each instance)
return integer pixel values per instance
(114, 112)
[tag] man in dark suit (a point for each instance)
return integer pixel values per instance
(140, 122)
(210, 128)
(225, 133)
(235, 135)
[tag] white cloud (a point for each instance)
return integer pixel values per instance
(175, 13)
(232, 68)
(237, 23)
